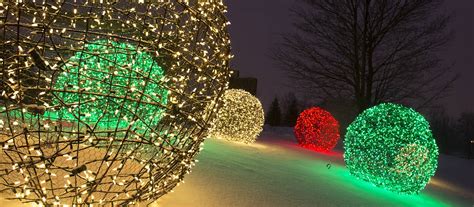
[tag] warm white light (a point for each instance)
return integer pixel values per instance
(241, 117)
(58, 148)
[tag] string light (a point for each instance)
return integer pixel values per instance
(392, 147)
(240, 119)
(103, 68)
(104, 102)
(317, 129)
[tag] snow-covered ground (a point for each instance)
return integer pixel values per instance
(276, 172)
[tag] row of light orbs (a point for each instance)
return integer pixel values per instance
(388, 145)
(104, 102)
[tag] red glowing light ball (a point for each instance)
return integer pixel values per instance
(317, 129)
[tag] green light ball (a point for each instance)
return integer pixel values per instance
(392, 147)
(112, 85)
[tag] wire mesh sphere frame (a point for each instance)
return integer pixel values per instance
(392, 147)
(240, 118)
(104, 102)
(102, 63)
(317, 129)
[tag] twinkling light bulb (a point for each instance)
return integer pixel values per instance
(317, 129)
(240, 119)
(104, 102)
(392, 147)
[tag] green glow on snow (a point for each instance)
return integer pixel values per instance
(303, 177)
(343, 182)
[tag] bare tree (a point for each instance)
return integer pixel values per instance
(371, 51)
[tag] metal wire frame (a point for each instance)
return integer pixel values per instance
(75, 161)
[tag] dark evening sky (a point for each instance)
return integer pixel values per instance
(257, 25)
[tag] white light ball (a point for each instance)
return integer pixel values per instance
(240, 119)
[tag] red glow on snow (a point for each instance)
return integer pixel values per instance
(316, 129)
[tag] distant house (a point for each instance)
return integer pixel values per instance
(248, 84)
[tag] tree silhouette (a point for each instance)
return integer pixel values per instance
(369, 51)
(466, 128)
(291, 114)
(444, 130)
(274, 114)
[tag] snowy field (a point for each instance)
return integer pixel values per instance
(276, 172)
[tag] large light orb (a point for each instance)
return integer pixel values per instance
(317, 129)
(104, 102)
(108, 71)
(392, 147)
(240, 119)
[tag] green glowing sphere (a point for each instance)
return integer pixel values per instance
(392, 147)
(110, 85)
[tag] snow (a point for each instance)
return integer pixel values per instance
(276, 172)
